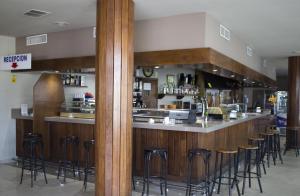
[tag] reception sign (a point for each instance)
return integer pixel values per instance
(15, 62)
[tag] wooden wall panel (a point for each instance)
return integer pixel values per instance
(22, 126)
(59, 130)
(178, 144)
(48, 95)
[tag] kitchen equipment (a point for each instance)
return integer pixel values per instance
(233, 114)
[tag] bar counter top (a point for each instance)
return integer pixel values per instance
(209, 126)
(70, 120)
(205, 127)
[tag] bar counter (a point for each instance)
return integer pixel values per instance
(180, 138)
(177, 139)
(206, 127)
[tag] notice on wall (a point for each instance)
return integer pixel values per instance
(15, 62)
(13, 79)
(147, 86)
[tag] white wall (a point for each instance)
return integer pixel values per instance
(175, 32)
(11, 96)
(235, 48)
(194, 31)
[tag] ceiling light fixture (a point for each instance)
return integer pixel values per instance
(156, 67)
(61, 23)
(214, 70)
(232, 75)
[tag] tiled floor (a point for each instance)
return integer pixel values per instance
(281, 180)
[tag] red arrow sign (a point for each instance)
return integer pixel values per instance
(14, 65)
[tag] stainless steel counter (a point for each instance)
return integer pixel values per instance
(16, 114)
(70, 120)
(209, 126)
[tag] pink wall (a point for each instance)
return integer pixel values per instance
(72, 43)
(175, 32)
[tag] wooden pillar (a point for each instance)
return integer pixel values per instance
(293, 114)
(114, 74)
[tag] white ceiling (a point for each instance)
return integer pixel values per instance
(79, 13)
(271, 27)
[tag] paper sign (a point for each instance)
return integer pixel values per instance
(24, 109)
(15, 62)
(147, 86)
(13, 79)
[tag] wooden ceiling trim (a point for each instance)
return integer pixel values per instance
(199, 56)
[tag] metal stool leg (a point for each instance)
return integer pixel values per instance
(220, 176)
(188, 185)
(215, 173)
(257, 171)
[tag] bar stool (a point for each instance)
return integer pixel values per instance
(296, 145)
(276, 138)
(231, 180)
(89, 169)
(64, 164)
(259, 142)
(163, 155)
(248, 149)
(33, 157)
(269, 147)
(205, 155)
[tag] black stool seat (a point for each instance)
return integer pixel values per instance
(248, 149)
(232, 180)
(33, 157)
(89, 168)
(205, 155)
(73, 164)
(163, 155)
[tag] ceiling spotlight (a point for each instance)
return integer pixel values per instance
(156, 67)
(244, 79)
(232, 75)
(214, 70)
(253, 82)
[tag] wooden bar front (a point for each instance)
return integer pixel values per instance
(179, 142)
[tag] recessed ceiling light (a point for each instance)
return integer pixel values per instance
(214, 70)
(156, 67)
(232, 75)
(61, 23)
(253, 82)
(244, 79)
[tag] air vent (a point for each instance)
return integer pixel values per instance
(36, 13)
(94, 32)
(249, 51)
(224, 32)
(36, 39)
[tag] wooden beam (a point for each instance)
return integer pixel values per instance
(61, 64)
(114, 74)
(208, 58)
